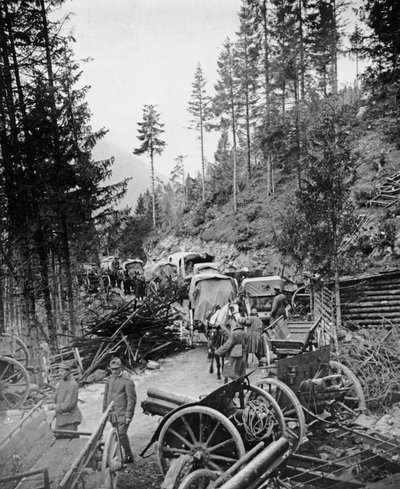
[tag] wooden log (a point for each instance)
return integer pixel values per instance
(372, 306)
(373, 322)
(371, 315)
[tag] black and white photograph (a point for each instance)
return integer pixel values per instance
(199, 244)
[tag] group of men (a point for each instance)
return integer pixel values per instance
(241, 343)
(131, 282)
(119, 389)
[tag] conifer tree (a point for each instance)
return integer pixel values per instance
(384, 46)
(247, 72)
(150, 130)
(177, 178)
(49, 178)
(323, 212)
(226, 103)
(200, 109)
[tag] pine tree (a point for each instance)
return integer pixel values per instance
(150, 131)
(247, 72)
(49, 177)
(323, 212)
(226, 103)
(200, 109)
(177, 178)
(384, 49)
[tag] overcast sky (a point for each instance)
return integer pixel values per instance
(146, 52)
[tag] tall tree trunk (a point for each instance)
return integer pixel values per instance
(298, 129)
(233, 125)
(203, 171)
(68, 274)
(248, 137)
(302, 63)
(58, 162)
(153, 189)
(266, 63)
(334, 52)
(45, 288)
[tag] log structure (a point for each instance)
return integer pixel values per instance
(366, 300)
(389, 192)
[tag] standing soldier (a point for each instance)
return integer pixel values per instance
(255, 342)
(235, 349)
(68, 415)
(120, 388)
(279, 314)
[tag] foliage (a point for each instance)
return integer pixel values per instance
(150, 130)
(323, 213)
(200, 109)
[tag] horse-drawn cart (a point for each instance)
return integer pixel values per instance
(32, 456)
(14, 378)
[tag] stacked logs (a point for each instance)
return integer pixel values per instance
(372, 300)
(373, 354)
(366, 300)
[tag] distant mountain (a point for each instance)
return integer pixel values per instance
(126, 165)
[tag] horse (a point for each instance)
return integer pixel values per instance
(217, 333)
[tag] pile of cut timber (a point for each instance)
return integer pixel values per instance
(132, 332)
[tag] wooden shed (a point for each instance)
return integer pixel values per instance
(366, 299)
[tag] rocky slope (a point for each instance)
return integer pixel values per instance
(246, 238)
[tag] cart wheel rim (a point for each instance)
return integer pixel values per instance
(14, 383)
(111, 460)
(291, 407)
(203, 433)
(21, 352)
(353, 403)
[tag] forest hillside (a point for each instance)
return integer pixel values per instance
(255, 227)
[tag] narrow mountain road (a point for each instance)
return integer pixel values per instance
(186, 373)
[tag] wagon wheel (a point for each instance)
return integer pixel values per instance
(14, 383)
(292, 410)
(20, 351)
(354, 401)
(111, 461)
(199, 479)
(259, 417)
(203, 433)
(296, 303)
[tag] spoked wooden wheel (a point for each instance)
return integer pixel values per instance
(17, 348)
(353, 402)
(199, 479)
(14, 384)
(204, 434)
(111, 461)
(292, 410)
(258, 415)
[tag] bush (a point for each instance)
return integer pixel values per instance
(364, 193)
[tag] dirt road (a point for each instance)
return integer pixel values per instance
(188, 374)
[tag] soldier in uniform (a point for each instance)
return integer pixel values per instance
(68, 415)
(120, 388)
